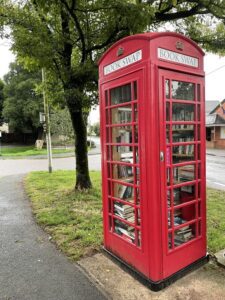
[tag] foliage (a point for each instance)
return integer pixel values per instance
(74, 220)
(1, 100)
(67, 37)
(61, 124)
(95, 128)
(21, 104)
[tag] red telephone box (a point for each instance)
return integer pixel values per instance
(153, 154)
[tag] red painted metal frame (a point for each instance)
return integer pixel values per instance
(152, 257)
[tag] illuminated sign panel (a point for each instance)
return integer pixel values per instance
(177, 57)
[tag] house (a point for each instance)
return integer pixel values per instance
(215, 125)
(4, 128)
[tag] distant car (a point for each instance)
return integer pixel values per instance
(91, 144)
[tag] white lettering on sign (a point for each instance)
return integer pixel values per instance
(177, 57)
(123, 62)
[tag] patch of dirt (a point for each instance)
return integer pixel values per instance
(208, 282)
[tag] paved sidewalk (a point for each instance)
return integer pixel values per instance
(216, 152)
(206, 283)
(31, 268)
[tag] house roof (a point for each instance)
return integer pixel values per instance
(218, 105)
(210, 105)
(214, 119)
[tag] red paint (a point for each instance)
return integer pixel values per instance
(138, 117)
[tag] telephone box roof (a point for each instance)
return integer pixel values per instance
(151, 36)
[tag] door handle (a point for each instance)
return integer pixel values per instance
(161, 156)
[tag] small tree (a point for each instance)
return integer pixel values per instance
(61, 124)
(96, 128)
(1, 100)
(21, 103)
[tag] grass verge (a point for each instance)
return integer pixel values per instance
(215, 220)
(74, 219)
(29, 151)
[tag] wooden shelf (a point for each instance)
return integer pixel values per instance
(183, 155)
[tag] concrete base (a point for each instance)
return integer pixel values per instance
(220, 257)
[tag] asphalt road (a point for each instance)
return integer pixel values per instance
(23, 166)
(215, 167)
(215, 171)
(31, 268)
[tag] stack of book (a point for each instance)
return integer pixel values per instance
(126, 192)
(186, 173)
(124, 230)
(183, 234)
(125, 170)
(176, 197)
(124, 211)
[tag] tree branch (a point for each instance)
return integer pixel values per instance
(160, 16)
(78, 27)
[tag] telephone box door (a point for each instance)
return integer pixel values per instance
(182, 139)
(123, 180)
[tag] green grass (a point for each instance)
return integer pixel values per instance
(28, 151)
(215, 220)
(74, 219)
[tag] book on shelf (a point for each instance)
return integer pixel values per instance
(125, 231)
(123, 208)
(124, 115)
(183, 234)
(125, 170)
(125, 191)
(187, 188)
(186, 173)
(176, 197)
(185, 113)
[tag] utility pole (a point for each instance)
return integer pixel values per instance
(47, 123)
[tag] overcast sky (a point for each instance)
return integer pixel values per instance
(214, 69)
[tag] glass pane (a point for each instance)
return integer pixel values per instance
(124, 211)
(139, 238)
(138, 216)
(125, 231)
(168, 176)
(124, 192)
(122, 135)
(198, 113)
(183, 153)
(182, 112)
(120, 94)
(135, 112)
(121, 153)
(167, 88)
(181, 195)
(121, 115)
(183, 215)
(170, 240)
(183, 90)
(183, 235)
(183, 174)
(169, 203)
(167, 134)
(123, 171)
(167, 111)
(183, 133)
(135, 90)
(106, 98)
(198, 92)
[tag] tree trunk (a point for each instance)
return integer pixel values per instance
(81, 153)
